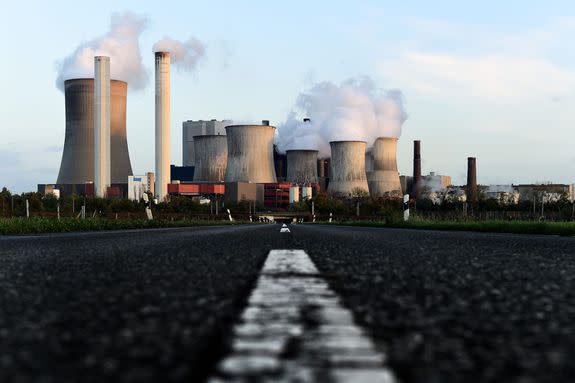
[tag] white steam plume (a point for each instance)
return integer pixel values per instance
(184, 55)
(121, 43)
(354, 110)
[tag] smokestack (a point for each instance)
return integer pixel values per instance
(101, 125)
(210, 158)
(162, 124)
(77, 167)
(347, 174)
(306, 120)
(250, 154)
(472, 193)
(302, 166)
(416, 182)
(384, 179)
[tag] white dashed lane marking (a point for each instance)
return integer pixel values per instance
(295, 329)
(284, 229)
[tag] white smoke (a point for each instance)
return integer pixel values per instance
(354, 110)
(120, 43)
(184, 55)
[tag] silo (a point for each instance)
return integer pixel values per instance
(347, 168)
(77, 167)
(162, 75)
(210, 157)
(250, 154)
(384, 179)
(302, 166)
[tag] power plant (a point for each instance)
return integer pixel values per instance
(162, 74)
(77, 166)
(302, 167)
(384, 179)
(101, 125)
(250, 153)
(211, 157)
(347, 174)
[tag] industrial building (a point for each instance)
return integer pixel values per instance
(77, 166)
(191, 128)
(139, 185)
(551, 192)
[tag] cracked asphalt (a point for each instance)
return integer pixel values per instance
(154, 305)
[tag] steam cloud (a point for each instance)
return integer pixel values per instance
(353, 110)
(121, 43)
(184, 55)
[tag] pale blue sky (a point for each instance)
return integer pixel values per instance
(491, 80)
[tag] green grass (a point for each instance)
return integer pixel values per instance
(36, 225)
(517, 227)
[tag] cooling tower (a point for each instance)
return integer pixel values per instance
(347, 168)
(302, 166)
(472, 194)
(384, 179)
(162, 66)
(210, 158)
(250, 154)
(77, 167)
(101, 125)
(416, 183)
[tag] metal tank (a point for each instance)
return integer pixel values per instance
(302, 166)
(210, 158)
(347, 168)
(77, 166)
(250, 154)
(384, 180)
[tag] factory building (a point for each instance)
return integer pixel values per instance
(192, 128)
(77, 166)
(551, 192)
(181, 173)
(139, 185)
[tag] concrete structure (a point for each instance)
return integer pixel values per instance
(162, 71)
(347, 168)
(101, 125)
(47, 189)
(77, 167)
(302, 166)
(416, 180)
(472, 190)
(250, 154)
(191, 128)
(195, 189)
(434, 182)
(293, 194)
(384, 180)
(306, 193)
(244, 191)
(504, 194)
(211, 157)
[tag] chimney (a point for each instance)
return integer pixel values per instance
(472, 194)
(101, 125)
(162, 124)
(416, 182)
(306, 120)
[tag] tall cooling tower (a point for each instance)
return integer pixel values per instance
(210, 157)
(77, 165)
(472, 193)
(347, 168)
(384, 179)
(302, 166)
(250, 154)
(162, 71)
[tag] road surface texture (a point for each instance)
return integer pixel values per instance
(170, 304)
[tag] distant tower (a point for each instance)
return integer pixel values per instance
(101, 125)
(472, 192)
(416, 182)
(162, 124)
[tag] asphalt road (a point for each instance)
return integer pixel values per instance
(158, 305)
